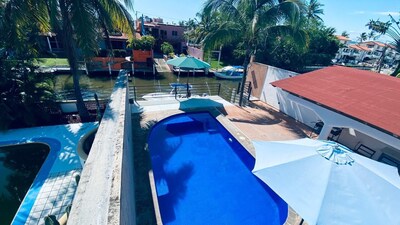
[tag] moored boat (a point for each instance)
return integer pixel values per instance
(179, 90)
(230, 72)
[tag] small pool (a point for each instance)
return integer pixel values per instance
(203, 175)
(19, 165)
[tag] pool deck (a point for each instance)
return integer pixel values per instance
(258, 121)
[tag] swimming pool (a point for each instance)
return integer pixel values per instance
(203, 175)
(19, 165)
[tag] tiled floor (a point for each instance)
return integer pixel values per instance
(54, 197)
(260, 121)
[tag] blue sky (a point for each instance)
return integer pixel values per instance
(344, 15)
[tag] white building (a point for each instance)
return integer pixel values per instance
(369, 51)
(343, 40)
(354, 107)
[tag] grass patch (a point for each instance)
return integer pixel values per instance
(214, 64)
(51, 62)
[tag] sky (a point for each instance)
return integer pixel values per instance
(343, 15)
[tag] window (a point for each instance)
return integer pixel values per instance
(174, 33)
(163, 33)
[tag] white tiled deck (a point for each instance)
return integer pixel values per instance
(54, 197)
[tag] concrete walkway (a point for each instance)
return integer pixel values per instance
(161, 65)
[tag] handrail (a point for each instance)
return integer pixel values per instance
(201, 89)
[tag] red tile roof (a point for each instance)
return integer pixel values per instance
(392, 47)
(342, 38)
(375, 43)
(366, 96)
(360, 47)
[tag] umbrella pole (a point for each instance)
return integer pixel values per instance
(179, 72)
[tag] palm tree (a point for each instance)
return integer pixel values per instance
(345, 34)
(250, 21)
(206, 23)
(21, 89)
(363, 36)
(314, 10)
(392, 30)
(20, 23)
(118, 18)
(76, 21)
(372, 35)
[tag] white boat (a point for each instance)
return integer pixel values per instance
(230, 72)
(179, 90)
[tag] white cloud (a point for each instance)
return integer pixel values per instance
(359, 12)
(387, 13)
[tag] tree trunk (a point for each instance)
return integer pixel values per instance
(107, 39)
(70, 48)
(245, 64)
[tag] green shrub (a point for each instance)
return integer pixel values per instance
(167, 48)
(145, 43)
(119, 53)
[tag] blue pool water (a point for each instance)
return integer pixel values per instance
(203, 175)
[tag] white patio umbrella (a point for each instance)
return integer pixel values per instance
(325, 183)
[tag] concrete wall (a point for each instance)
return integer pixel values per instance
(105, 193)
(260, 76)
(195, 52)
(169, 28)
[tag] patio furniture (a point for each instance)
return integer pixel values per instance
(389, 160)
(316, 129)
(364, 150)
(335, 134)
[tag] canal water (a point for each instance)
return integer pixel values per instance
(102, 84)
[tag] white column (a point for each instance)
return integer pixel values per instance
(48, 42)
(326, 130)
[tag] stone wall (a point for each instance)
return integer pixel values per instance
(105, 193)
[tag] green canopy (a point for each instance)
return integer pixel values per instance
(188, 62)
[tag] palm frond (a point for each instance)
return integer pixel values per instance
(227, 7)
(128, 4)
(226, 33)
(54, 14)
(116, 12)
(83, 21)
(300, 37)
